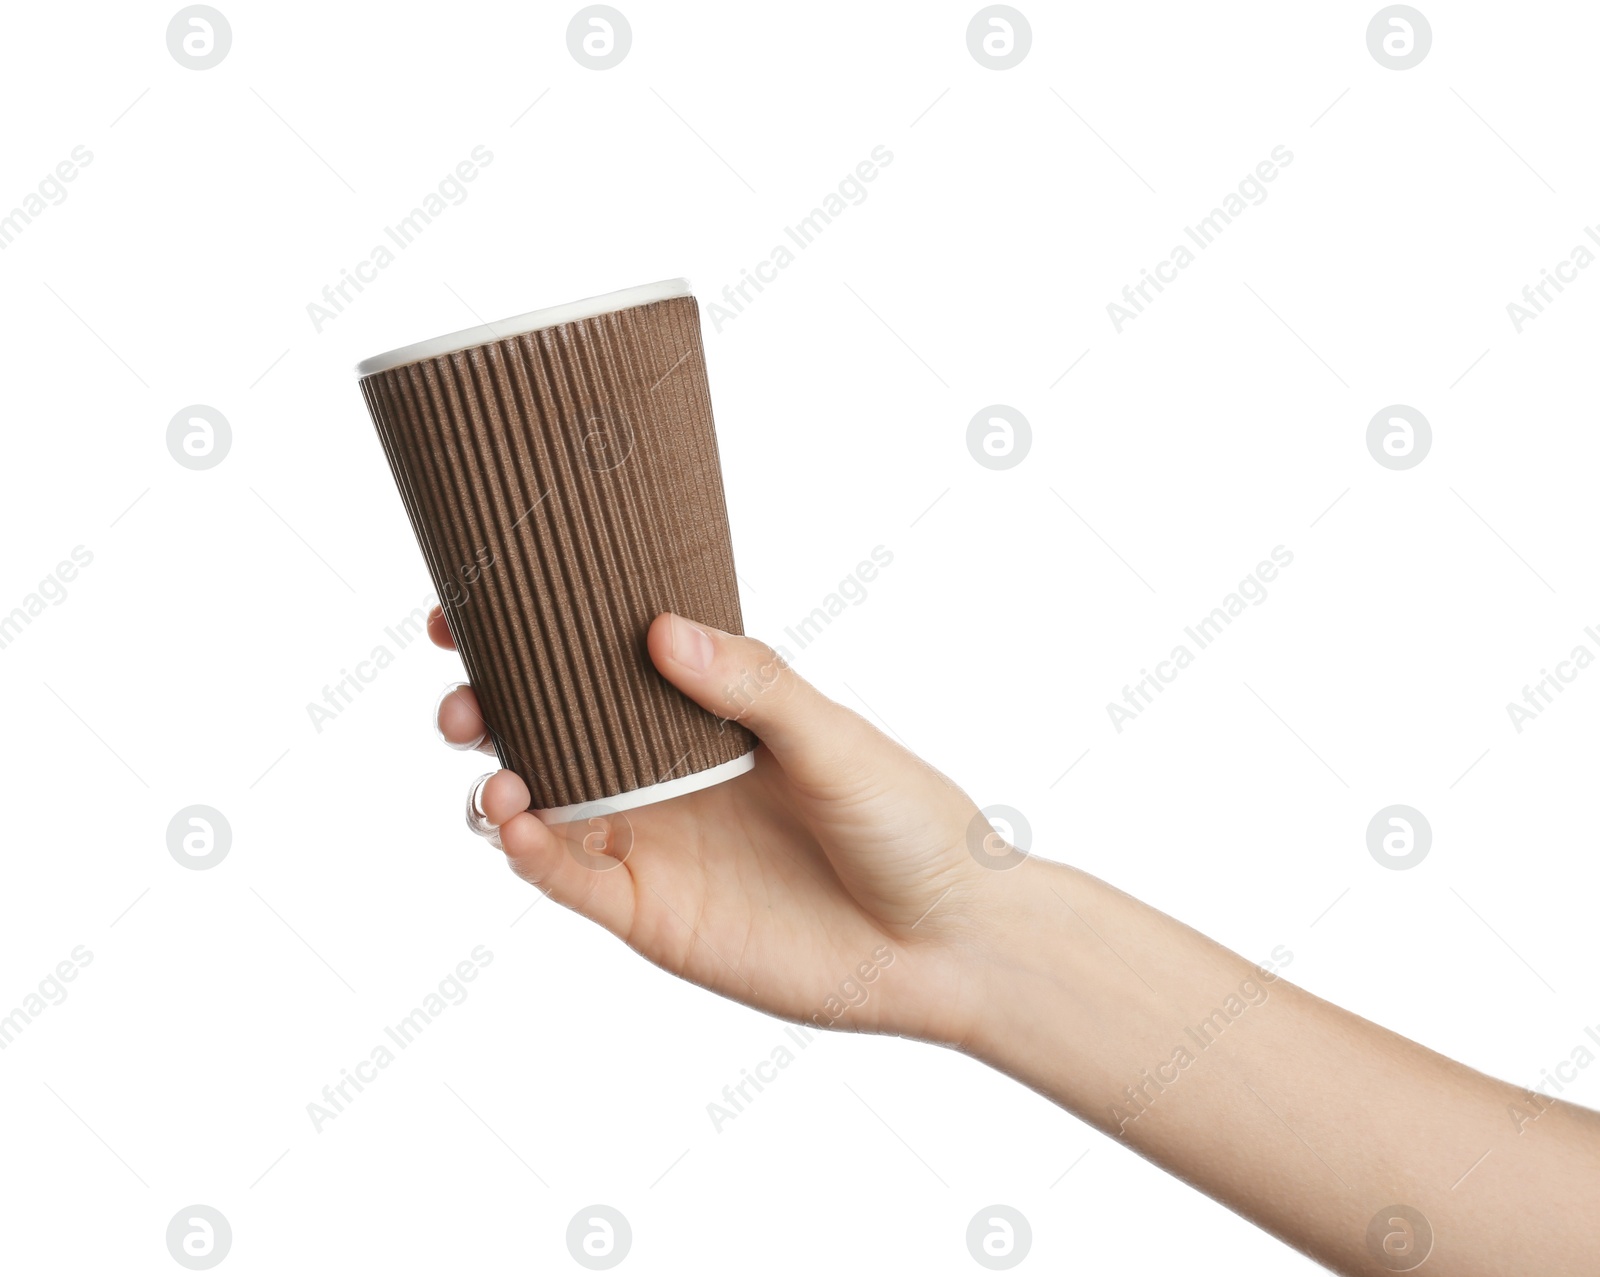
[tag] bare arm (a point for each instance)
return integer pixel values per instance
(1368, 1152)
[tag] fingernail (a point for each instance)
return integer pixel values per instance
(691, 645)
(476, 820)
(437, 731)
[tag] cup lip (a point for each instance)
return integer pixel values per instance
(529, 322)
(658, 792)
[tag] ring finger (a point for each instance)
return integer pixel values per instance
(459, 721)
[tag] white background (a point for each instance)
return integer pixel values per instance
(1173, 457)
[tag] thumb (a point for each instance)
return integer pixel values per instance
(815, 739)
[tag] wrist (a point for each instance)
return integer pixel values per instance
(1027, 959)
(991, 958)
(1062, 1008)
(1086, 988)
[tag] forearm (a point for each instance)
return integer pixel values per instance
(1302, 1117)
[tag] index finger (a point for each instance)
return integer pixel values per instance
(439, 629)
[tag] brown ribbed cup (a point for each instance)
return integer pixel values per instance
(564, 486)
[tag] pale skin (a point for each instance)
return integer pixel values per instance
(773, 889)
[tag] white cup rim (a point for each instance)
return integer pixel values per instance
(658, 792)
(530, 322)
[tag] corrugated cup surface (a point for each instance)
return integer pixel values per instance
(565, 489)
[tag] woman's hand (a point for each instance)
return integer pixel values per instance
(843, 882)
(837, 883)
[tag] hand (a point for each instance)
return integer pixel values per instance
(832, 884)
(842, 854)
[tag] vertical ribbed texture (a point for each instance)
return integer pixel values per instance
(565, 489)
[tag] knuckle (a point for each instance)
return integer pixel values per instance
(755, 675)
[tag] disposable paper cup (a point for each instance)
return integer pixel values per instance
(560, 471)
